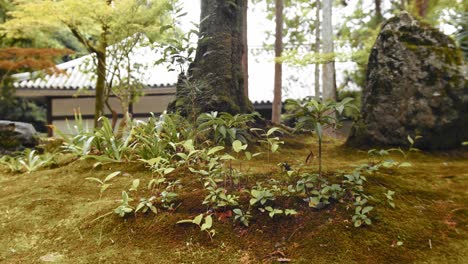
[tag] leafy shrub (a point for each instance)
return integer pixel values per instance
(317, 116)
(225, 128)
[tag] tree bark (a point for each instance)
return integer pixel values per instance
(217, 69)
(100, 84)
(245, 53)
(317, 50)
(101, 55)
(378, 11)
(328, 74)
(276, 109)
(422, 6)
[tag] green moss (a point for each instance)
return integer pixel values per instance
(51, 211)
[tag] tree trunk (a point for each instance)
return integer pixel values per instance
(378, 11)
(101, 55)
(100, 85)
(422, 6)
(328, 74)
(317, 50)
(217, 69)
(245, 53)
(276, 109)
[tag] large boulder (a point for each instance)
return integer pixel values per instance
(16, 135)
(415, 86)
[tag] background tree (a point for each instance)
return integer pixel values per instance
(317, 50)
(217, 67)
(328, 74)
(100, 23)
(278, 84)
(301, 33)
(245, 53)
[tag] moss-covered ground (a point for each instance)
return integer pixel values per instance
(48, 216)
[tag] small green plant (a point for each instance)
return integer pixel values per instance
(205, 223)
(146, 205)
(111, 148)
(32, 161)
(271, 211)
(103, 184)
(124, 208)
(270, 140)
(218, 197)
(12, 163)
(79, 138)
(317, 116)
(243, 218)
(389, 195)
(361, 212)
(169, 195)
(322, 196)
(261, 196)
(225, 128)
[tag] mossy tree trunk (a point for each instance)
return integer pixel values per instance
(217, 70)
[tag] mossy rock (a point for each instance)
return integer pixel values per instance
(415, 86)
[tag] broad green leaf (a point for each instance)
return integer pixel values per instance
(274, 148)
(215, 149)
(367, 209)
(153, 209)
(222, 131)
(135, 184)
(168, 170)
(227, 157)
(187, 221)
(95, 180)
(357, 223)
(237, 146)
(208, 223)
(138, 208)
(111, 176)
(405, 165)
(237, 211)
(290, 212)
(188, 145)
(273, 130)
(197, 220)
(182, 155)
(248, 155)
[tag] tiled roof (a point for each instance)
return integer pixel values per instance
(79, 74)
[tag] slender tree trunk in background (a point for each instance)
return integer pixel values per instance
(276, 109)
(217, 67)
(100, 83)
(328, 74)
(378, 11)
(317, 50)
(422, 6)
(245, 53)
(101, 56)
